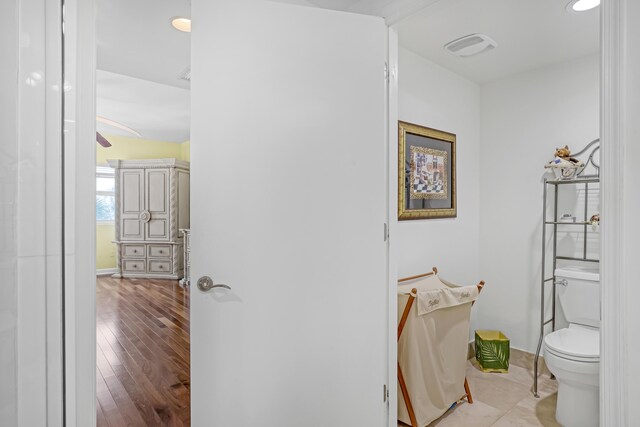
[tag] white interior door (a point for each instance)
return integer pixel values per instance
(288, 208)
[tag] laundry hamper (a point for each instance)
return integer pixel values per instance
(433, 336)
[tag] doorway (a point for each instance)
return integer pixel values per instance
(142, 213)
(484, 72)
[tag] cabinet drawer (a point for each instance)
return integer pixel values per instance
(133, 265)
(133, 251)
(159, 266)
(157, 251)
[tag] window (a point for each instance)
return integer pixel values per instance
(105, 194)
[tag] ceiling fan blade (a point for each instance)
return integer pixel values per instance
(102, 140)
(120, 126)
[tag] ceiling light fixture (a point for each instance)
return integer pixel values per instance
(181, 24)
(582, 5)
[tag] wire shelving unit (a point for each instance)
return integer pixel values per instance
(587, 181)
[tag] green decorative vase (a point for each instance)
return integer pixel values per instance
(492, 351)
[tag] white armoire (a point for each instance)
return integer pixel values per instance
(152, 204)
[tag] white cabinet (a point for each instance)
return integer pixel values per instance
(152, 203)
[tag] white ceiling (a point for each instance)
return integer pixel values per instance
(144, 55)
(530, 34)
(135, 38)
(139, 58)
(392, 10)
(159, 112)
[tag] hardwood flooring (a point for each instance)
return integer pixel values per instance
(142, 372)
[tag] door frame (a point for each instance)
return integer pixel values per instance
(80, 195)
(614, 383)
(80, 315)
(392, 199)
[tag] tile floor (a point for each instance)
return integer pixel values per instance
(503, 400)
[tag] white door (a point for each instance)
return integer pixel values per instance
(288, 209)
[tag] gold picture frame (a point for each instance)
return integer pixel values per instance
(426, 173)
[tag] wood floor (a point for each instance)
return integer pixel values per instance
(142, 353)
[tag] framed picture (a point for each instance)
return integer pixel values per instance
(426, 173)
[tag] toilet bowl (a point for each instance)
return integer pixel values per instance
(572, 354)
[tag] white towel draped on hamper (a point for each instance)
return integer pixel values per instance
(434, 299)
(432, 350)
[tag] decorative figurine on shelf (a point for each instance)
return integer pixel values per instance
(563, 153)
(595, 221)
(564, 166)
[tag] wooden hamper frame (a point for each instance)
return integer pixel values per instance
(403, 321)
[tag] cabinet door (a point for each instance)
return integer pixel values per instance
(131, 204)
(157, 203)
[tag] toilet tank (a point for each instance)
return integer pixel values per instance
(578, 288)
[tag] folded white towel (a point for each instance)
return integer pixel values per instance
(435, 299)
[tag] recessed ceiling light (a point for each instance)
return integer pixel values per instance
(181, 24)
(582, 5)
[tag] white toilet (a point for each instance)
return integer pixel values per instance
(573, 354)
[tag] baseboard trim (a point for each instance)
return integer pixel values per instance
(106, 271)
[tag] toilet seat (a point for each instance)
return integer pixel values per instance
(577, 342)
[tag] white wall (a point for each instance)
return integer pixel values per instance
(524, 118)
(432, 96)
(38, 215)
(8, 194)
(30, 257)
(511, 127)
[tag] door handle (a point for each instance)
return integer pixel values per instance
(205, 283)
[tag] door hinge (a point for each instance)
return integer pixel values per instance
(389, 72)
(385, 393)
(386, 232)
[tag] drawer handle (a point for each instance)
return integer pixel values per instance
(160, 251)
(160, 267)
(135, 251)
(135, 265)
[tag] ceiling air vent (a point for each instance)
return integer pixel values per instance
(185, 75)
(470, 45)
